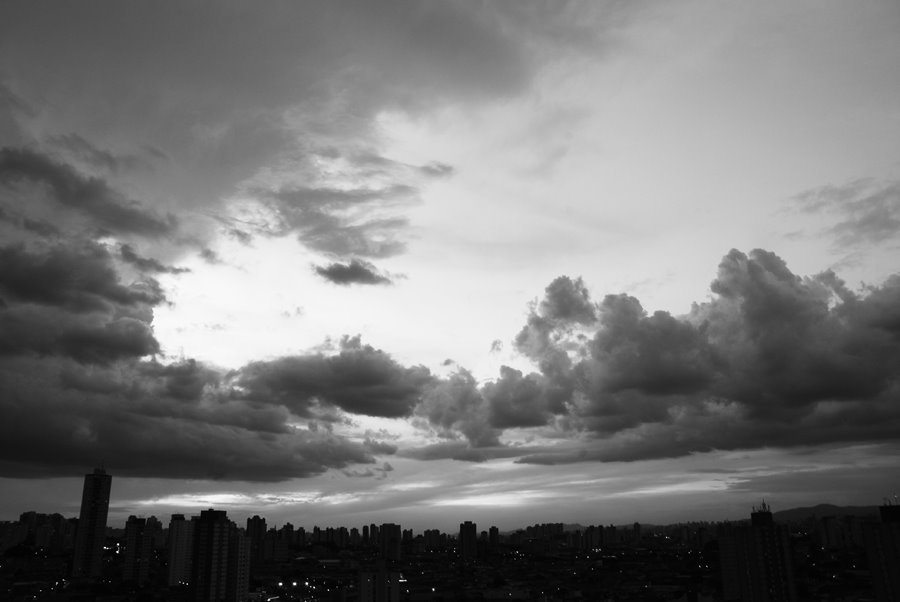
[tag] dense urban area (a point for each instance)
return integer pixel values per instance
(824, 553)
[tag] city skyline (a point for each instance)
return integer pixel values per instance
(362, 263)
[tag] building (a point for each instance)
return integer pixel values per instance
(256, 531)
(468, 541)
(379, 584)
(756, 560)
(138, 548)
(390, 538)
(493, 540)
(883, 551)
(179, 547)
(87, 561)
(220, 560)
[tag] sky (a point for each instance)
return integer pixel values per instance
(355, 262)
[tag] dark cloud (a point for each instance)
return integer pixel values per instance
(379, 447)
(455, 405)
(302, 83)
(523, 401)
(147, 264)
(378, 472)
(81, 149)
(79, 277)
(355, 272)
(146, 419)
(344, 223)
(771, 359)
(67, 300)
(867, 212)
(462, 451)
(437, 169)
(359, 379)
(94, 338)
(185, 380)
(91, 196)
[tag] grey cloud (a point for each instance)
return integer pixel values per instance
(378, 472)
(379, 447)
(91, 196)
(81, 149)
(66, 416)
(867, 212)
(359, 379)
(147, 264)
(95, 338)
(653, 354)
(185, 380)
(523, 401)
(462, 451)
(76, 276)
(355, 272)
(319, 217)
(771, 359)
(457, 405)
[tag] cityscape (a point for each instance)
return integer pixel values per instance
(389, 300)
(816, 555)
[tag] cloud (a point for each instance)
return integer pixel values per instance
(770, 359)
(93, 338)
(80, 149)
(145, 419)
(147, 264)
(92, 197)
(79, 277)
(867, 212)
(359, 379)
(355, 272)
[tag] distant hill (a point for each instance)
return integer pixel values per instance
(799, 514)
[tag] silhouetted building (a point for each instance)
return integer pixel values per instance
(468, 541)
(379, 585)
(493, 539)
(883, 551)
(91, 534)
(138, 540)
(180, 547)
(390, 538)
(221, 559)
(256, 531)
(756, 560)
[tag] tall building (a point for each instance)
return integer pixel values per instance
(221, 559)
(883, 551)
(87, 561)
(756, 560)
(493, 539)
(138, 547)
(256, 531)
(379, 584)
(180, 546)
(468, 541)
(390, 538)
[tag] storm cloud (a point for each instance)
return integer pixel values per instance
(91, 196)
(355, 272)
(771, 359)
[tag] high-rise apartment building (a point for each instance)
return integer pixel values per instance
(180, 546)
(90, 535)
(138, 548)
(468, 541)
(756, 560)
(883, 551)
(221, 559)
(256, 531)
(390, 538)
